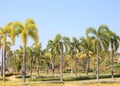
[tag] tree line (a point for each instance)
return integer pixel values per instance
(85, 53)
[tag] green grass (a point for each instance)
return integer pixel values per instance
(47, 80)
(72, 83)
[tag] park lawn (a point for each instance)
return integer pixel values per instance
(72, 83)
(18, 82)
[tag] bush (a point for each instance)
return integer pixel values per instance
(43, 78)
(8, 74)
(20, 76)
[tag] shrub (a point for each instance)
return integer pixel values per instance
(8, 74)
(20, 76)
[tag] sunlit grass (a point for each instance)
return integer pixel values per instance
(99, 84)
(19, 83)
(72, 83)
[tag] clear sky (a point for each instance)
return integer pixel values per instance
(67, 17)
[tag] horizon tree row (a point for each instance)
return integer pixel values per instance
(61, 52)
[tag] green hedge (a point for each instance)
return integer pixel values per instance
(72, 78)
(8, 74)
(20, 76)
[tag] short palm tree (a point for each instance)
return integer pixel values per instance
(74, 49)
(30, 52)
(52, 49)
(38, 55)
(86, 46)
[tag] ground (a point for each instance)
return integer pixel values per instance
(12, 81)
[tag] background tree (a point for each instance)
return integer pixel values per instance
(52, 49)
(86, 47)
(74, 49)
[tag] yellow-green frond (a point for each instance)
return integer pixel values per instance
(31, 27)
(1, 31)
(24, 36)
(7, 29)
(18, 27)
(29, 21)
(34, 35)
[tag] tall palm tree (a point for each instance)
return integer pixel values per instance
(101, 42)
(60, 46)
(7, 31)
(1, 48)
(4, 33)
(114, 45)
(26, 30)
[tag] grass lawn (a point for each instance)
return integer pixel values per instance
(12, 81)
(71, 83)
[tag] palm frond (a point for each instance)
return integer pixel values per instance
(24, 36)
(91, 30)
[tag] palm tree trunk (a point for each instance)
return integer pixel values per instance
(4, 59)
(97, 63)
(112, 68)
(24, 65)
(61, 65)
(71, 69)
(75, 65)
(46, 68)
(38, 67)
(88, 65)
(53, 67)
(31, 59)
(2, 63)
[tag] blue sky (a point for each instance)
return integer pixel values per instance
(67, 17)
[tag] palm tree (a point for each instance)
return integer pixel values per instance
(101, 42)
(47, 56)
(60, 48)
(29, 51)
(59, 45)
(26, 30)
(4, 33)
(74, 49)
(37, 53)
(86, 46)
(114, 44)
(52, 49)
(7, 31)
(1, 47)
